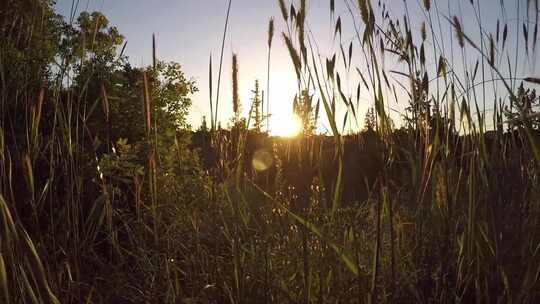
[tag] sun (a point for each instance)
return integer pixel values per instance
(285, 125)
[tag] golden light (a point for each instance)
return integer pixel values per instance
(262, 160)
(285, 125)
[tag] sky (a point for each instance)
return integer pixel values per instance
(190, 31)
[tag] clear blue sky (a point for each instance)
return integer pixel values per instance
(187, 31)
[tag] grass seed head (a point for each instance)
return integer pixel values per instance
(236, 98)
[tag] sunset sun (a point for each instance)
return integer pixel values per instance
(285, 125)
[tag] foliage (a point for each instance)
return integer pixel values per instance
(106, 196)
(92, 189)
(522, 109)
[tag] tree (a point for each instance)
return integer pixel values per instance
(71, 78)
(370, 121)
(171, 91)
(204, 125)
(256, 108)
(92, 38)
(30, 34)
(92, 47)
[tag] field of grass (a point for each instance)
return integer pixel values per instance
(107, 196)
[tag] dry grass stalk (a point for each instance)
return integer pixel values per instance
(39, 105)
(146, 102)
(270, 32)
(283, 8)
(236, 97)
(294, 55)
(105, 102)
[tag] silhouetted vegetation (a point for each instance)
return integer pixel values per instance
(108, 196)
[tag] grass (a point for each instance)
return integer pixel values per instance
(427, 204)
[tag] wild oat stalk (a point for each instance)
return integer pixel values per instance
(152, 183)
(270, 39)
(236, 96)
(293, 53)
(284, 11)
(210, 92)
(221, 60)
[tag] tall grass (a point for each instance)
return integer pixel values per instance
(215, 116)
(431, 205)
(271, 30)
(438, 190)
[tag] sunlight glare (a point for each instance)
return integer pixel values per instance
(285, 125)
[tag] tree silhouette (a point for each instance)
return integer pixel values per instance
(370, 121)
(204, 125)
(256, 108)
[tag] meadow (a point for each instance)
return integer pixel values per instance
(107, 195)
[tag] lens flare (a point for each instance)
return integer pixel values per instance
(262, 160)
